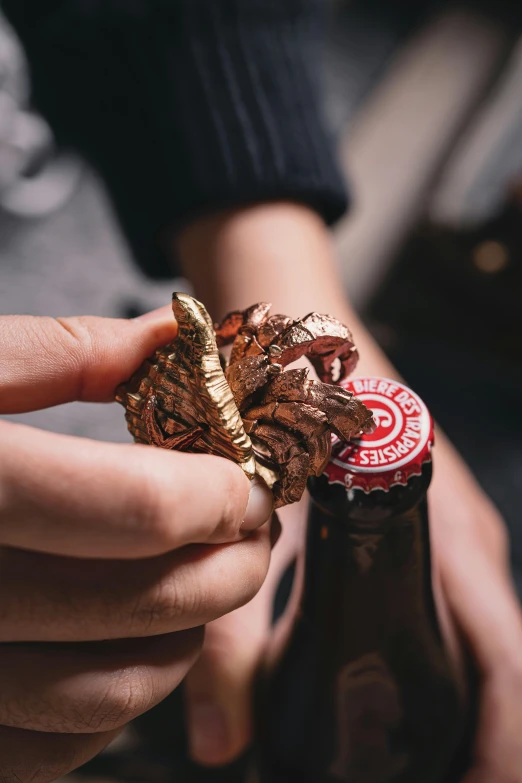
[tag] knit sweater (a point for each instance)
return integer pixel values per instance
(185, 106)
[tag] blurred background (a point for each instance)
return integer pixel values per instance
(426, 101)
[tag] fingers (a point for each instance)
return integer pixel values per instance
(469, 539)
(472, 558)
(498, 750)
(45, 598)
(91, 688)
(219, 687)
(48, 361)
(483, 599)
(29, 756)
(75, 497)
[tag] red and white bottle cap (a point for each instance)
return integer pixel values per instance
(398, 448)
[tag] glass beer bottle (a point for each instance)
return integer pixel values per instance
(365, 690)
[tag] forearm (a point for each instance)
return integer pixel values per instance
(279, 253)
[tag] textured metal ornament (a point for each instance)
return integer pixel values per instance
(270, 421)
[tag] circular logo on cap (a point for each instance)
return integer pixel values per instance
(398, 447)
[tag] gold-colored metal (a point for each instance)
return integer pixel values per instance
(272, 422)
(289, 417)
(180, 399)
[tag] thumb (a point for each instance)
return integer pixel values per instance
(219, 686)
(49, 361)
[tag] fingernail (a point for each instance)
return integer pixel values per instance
(260, 505)
(209, 735)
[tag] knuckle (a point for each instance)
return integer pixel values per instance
(125, 697)
(80, 344)
(77, 331)
(165, 607)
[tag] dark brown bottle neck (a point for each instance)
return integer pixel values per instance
(353, 506)
(369, 546)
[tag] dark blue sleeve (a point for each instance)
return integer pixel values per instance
(185, 106)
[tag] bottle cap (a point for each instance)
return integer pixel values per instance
(396, 450)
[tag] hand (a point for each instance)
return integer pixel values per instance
(281, 253)
(471, 555)
(219, 686)
(112, 557)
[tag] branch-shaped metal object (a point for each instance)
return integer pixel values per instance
(270, 421)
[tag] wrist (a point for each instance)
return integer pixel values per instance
(266, 252)
(277, 252)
